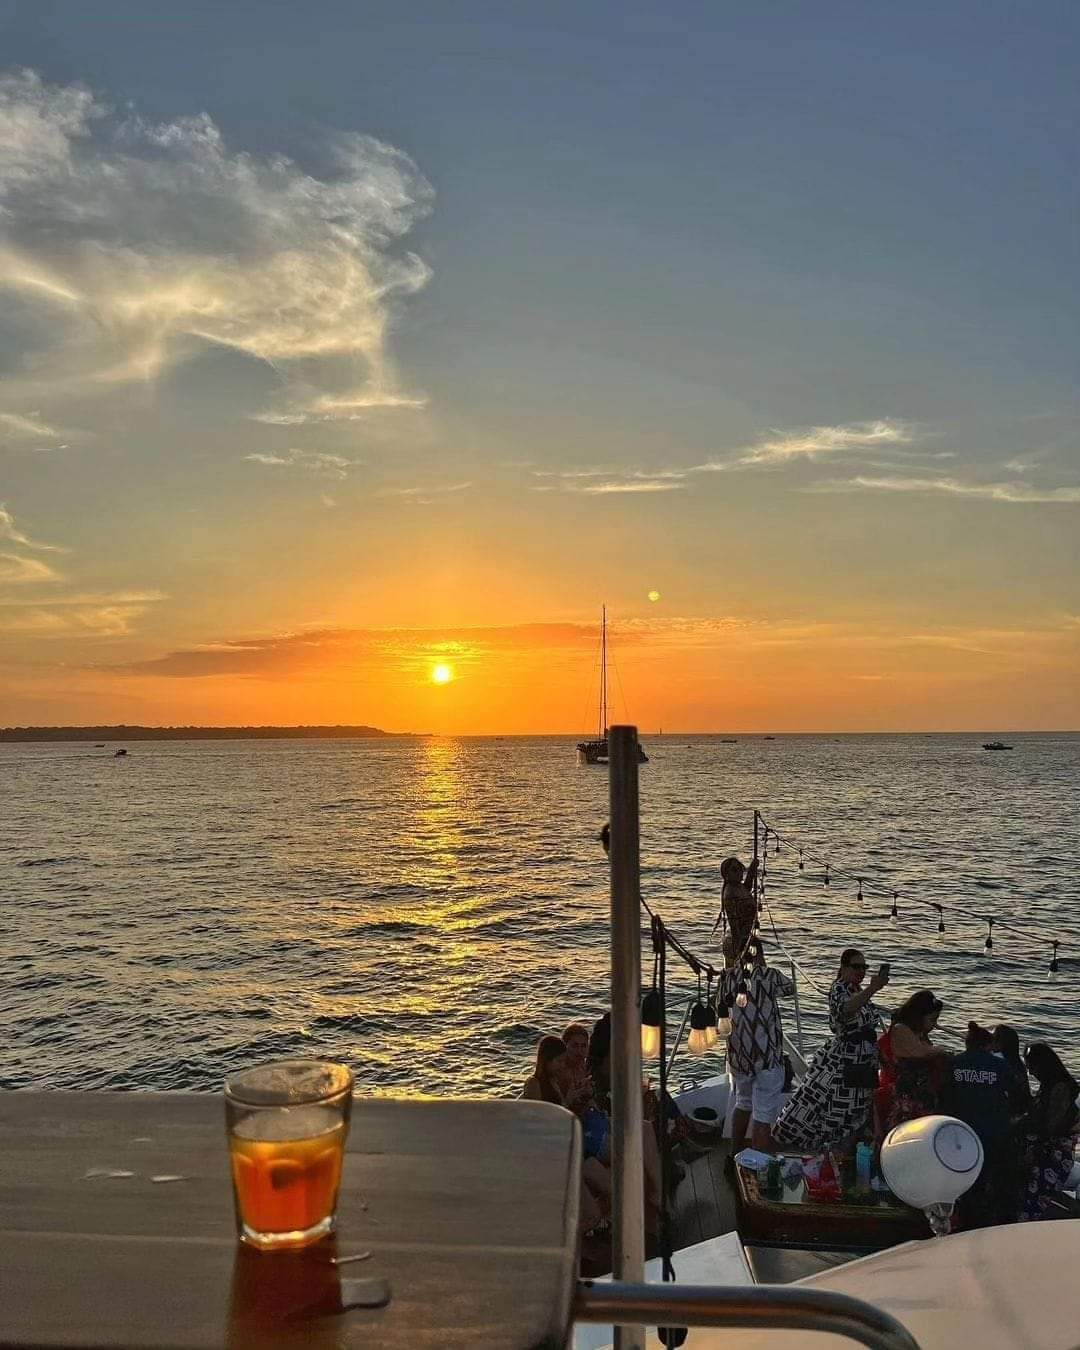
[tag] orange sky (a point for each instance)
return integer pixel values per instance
(287, 422)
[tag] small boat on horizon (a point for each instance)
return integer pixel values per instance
(996, 745)
(596, 752)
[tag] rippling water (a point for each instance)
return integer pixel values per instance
(424, 909)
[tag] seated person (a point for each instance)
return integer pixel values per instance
(976, 1091)
(1050, 1132)
(543, 1085)
(577, 1079)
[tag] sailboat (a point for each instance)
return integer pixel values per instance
(596, 752)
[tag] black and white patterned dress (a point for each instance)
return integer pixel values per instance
(824, 1110)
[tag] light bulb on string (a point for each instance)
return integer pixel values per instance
(651, 1017)
(988, 945)
(757, 922)
(894, 913)
(1052, 970)
(776, 844)
(742, 996)
(698, 1041)
(711, 1035)
(940, 922)
(723, 1017)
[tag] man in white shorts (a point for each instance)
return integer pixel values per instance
(756, 1046)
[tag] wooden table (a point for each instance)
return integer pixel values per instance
(469, 1211)
(797, 1219)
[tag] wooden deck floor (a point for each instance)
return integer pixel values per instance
(704, 1200)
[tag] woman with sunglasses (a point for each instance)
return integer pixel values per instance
(1050, 1132)
(832, 1102)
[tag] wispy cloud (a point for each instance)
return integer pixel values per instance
(161, 239)
(16, 570)
(630, 485)
(813, 443)
(98, 614)
(10, 531)
(953, 487)
(421, 495)
(28, 431)
(604, 482)
(316, 462)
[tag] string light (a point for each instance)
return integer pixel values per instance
(940, 921)
(742, 995)
(698, 1041)
(1052, 971)
(988, 945)
(711, 1033)
(776, 844)
(723, 1017)
(651, 1014)
(894, 913)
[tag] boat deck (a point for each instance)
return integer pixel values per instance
(704, 1199)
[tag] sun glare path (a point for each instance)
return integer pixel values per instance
(442, 674)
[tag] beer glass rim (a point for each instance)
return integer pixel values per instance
(289, 1082)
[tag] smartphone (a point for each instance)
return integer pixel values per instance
(883, 970)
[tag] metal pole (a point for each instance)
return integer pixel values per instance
(678, 1037)
(627, 1164)
(798, 1012)
(757, 818)
(775, 1306)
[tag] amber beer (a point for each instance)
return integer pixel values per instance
(287, 1125)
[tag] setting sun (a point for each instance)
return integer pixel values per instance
(442, 674)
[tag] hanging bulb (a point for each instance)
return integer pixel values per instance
(651, 1016)
(723, 1019)
(776, 844)
(1052, 972)
(940, 921)
(988, 945)
(698, 1042)
(826, 874)
(894, 913)
(802, 865)
(859, 896)
(757, 924)
(712, 1034)
(742, 997)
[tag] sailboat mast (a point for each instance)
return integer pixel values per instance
(603, 672)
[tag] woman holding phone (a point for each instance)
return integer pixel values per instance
(832, 1102)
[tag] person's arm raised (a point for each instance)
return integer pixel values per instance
(863, 997)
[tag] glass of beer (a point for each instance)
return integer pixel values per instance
(287, 1124)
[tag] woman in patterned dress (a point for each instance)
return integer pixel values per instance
(832, 1101)
(1050, 1137)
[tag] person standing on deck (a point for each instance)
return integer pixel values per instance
(738, 907)
(755, 1053)
(831, 1104)
(976, 1091)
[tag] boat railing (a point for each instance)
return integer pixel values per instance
(628, 1303)
(760, 1307)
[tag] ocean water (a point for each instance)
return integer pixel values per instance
(424, 910)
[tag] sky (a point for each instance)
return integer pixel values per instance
(345, 341)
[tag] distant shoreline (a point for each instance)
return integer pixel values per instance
(11, 735)
(114, 734)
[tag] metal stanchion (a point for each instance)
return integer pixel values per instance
(628, 1202)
